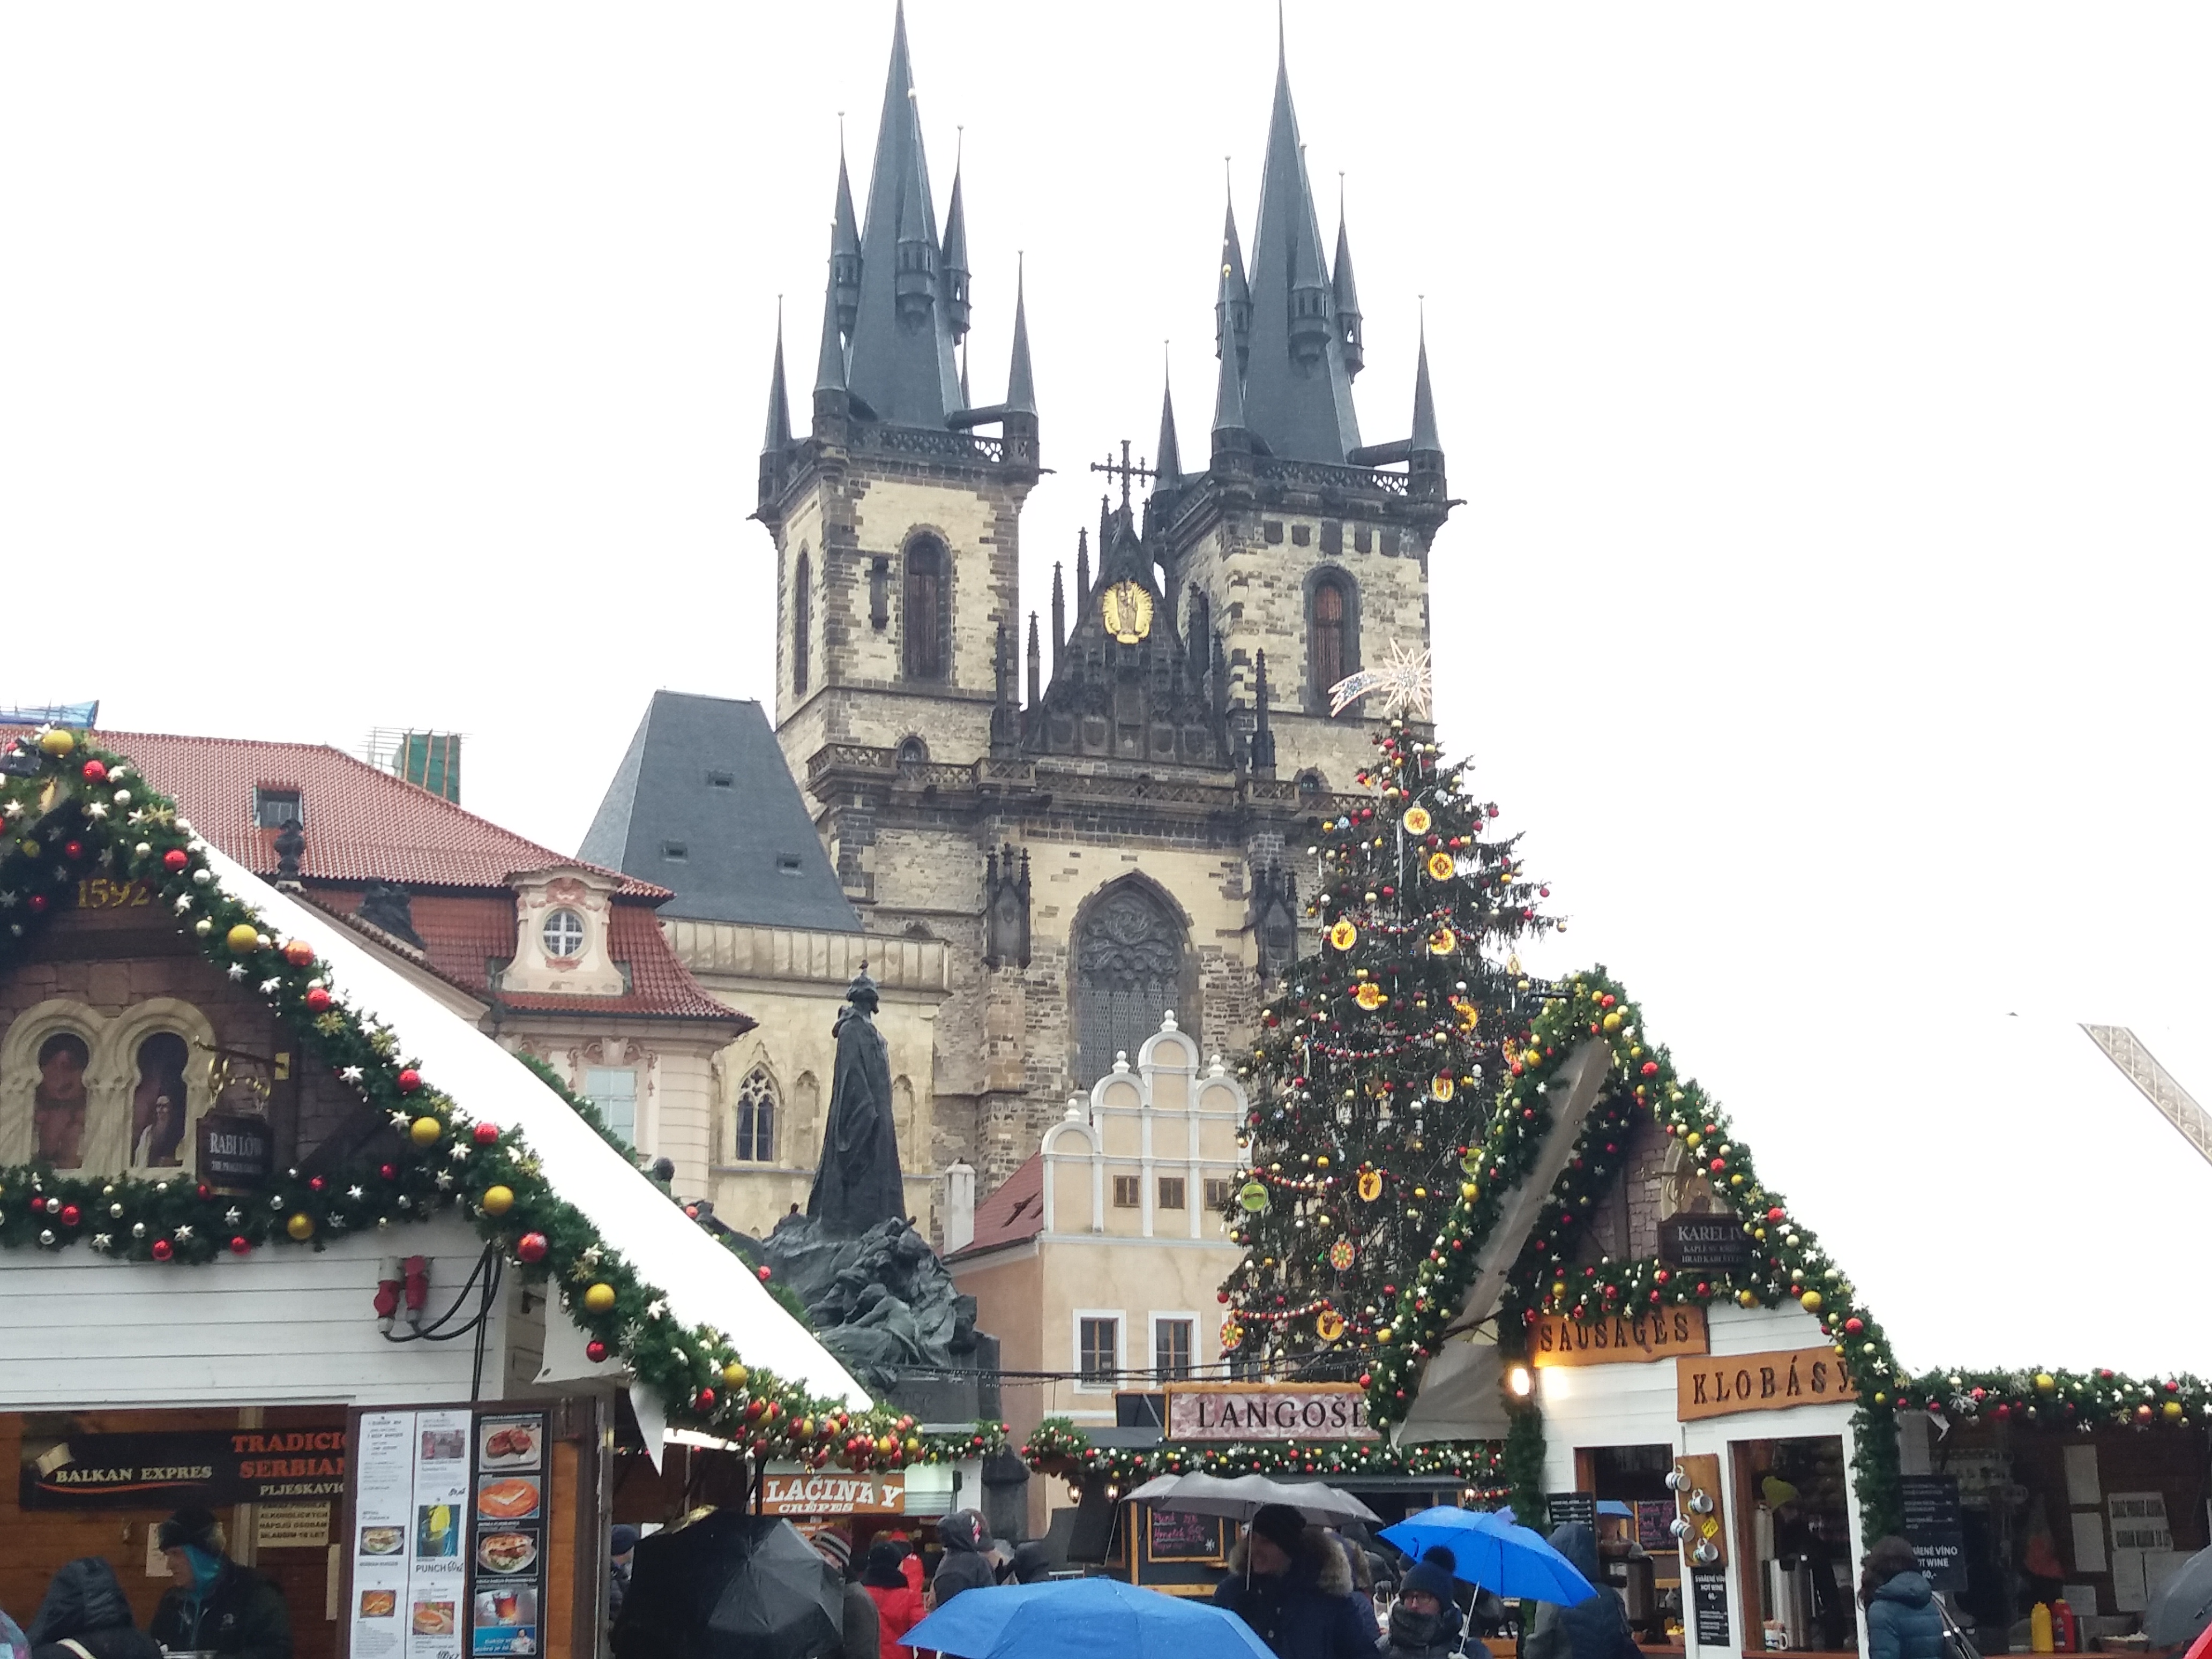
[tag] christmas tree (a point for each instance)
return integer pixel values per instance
(1378, 1061)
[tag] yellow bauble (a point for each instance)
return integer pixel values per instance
(1746, 1298)
(497, 1201)
(2171, 1411)
(1613, 1020)
(734, 1374)
(242, 938)
(425, 1131)
(1810, 1302)
(599, 1298)
(1416, 820)
(1466, 1189)
(1691, 1140)
(58, 743)
(1382, 1335)
(301, 1227)
(2045, 1382)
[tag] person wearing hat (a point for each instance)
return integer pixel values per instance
(1292, 1584)
(898, 1604)
(861, 1633)
(85, 1616)
(1424, 1624)
(966, 1565)
(217, 1606)
(1594, 1629)
(621, 1548)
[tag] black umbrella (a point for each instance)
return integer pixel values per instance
(2183, 1606)
(730, 1586)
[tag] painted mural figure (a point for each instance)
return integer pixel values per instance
(858, 1183)
(157, 1104)
(57, 1107)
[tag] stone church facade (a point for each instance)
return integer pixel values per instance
(1103, 817)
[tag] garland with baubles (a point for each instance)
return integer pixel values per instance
(70, 812)
(1058, 1447)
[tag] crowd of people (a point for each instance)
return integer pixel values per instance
(213, 1605)
(889, 1591)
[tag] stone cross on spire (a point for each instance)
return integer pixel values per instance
(1124, 470)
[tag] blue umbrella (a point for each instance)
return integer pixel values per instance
(1084, 1619)
(1495, 1554)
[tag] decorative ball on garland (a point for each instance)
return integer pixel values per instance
(734, 1374)
(1343, 936)
(241, 1245)
(299, 952)
(1810, 1301)
(487, 1134)
(95, 771)
(764, 1271)
(163, 1250)
(243, 937)
(175, 859)
(498, 1200)
(425, 1131)
(319, 1000)
(57, 744)
(599, 1298)
(531, 1247)
(595, 1351)
(409, 1079)
(301, 1228)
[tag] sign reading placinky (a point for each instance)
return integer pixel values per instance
(1230, 1411)
(1616, 1339)
(207, 1469)
(1706, 1243)
(1761, 1382)
(1935, 1528)
(1708, 1603)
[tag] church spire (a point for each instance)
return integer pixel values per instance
(1021, 388)
(952, 263)
(1228, 399)
(830, 363)
(1168, 459)
(777, 437)
(1232, 309)
(845, 246)
(1345, 293)
(1425, 403)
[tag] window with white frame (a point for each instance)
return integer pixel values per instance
(1171, 1339)
(613, 1089)
(1098, 1348)
(562, 935)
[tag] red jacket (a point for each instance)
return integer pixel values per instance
(898, 1611)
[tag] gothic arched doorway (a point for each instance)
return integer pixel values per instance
(1129, 954)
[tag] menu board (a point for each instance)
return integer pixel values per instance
(1709, 1607)
(449, 1534)
(1171, 1536)
(1936, 1527)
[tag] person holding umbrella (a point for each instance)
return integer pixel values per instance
(1595, 1627)
(1424, 1624)
(1290, 1583)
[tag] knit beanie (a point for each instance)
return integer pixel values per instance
(1281, 1525)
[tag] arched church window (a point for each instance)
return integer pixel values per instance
(1326, 632)
(924, 619)
(802, 623)
(1128, 972)
(756, 1119)
(912, 753)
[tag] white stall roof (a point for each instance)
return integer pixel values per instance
(704, 1284)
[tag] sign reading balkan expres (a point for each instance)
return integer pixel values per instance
(212, 1469)
(1256, 1410)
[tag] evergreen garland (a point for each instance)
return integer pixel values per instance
(1058, 1447)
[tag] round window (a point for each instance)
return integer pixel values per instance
(563, 934)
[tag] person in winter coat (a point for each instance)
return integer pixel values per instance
(966, 1565)
(85, 1606)
(1031, 1564)
(217, 1607)
(1291, 1584)
(860, 1635)
(1903, 1621)
(1426, 1623)
(898, 1604)
(1595, 1629)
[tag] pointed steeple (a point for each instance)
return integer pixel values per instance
(1232, 307)
(952, 263)
(901, 363)
(1297, 389)
(1021, 388)
(830, 364)
(1082, 566)
(1169, 461)
(845, 246)
(1059, 617)
(1228, 398)
(777, 437)
(1036, 664)
(1425, 440)
(1345, 293)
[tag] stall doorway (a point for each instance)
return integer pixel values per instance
(1794, 1544)
(1638, 1554)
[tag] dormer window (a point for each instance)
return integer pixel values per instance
(563, 935)
(275, 808)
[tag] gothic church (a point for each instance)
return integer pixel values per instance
(1102, 820)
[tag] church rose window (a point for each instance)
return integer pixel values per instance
(1327, 634)
(923, 618)
(563, 934)
(1128, 973)
(757, 1120)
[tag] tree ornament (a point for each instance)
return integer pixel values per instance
(57, 744)
(319, 1000)
(1441, 867)
(424, 1131)
(1343, 936)
(240, 1245)
(531, 1247)
(599, 1298)
(300, 1226)
(1810, 1301)
(487, 1134)
(175, 859)
(1416, 821)
(595, 1351)
(497, 1201)
(243, 937)
(409, 1079)
(299, 952)
(162, 1249)
(94, 771)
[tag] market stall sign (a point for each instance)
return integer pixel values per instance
(1936, 1527)
(1709, 1604)
(212, 1469)
(1705, 1242)
(1622, 1339)
(238, 1153)
(807, 1493)
(1232, 1411)
(1761, 1382)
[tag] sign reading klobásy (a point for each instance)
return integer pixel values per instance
(1230, 1411)
(211, 1468)
(1761, 1383)
(1616, 1339)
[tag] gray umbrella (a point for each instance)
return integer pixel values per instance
(2183, 1606)
(1245, 1496)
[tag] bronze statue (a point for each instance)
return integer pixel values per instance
(858, 1183)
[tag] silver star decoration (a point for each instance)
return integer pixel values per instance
(95, 811)
(1403, 681)
(460, 1154)
(138, 816)
(236, 970)
(8, 901)
(657, 1310)
(445, 1181)
(398, 1118)
(337, 1221)
(183, 903)
(352, 1074)
(15, 809)
(183, 1235)
(269, 986)
(353, 1193)
(102, 1240)
(231, 1217)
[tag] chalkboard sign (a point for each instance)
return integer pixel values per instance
(1934, 1527)
(1565, 1506)
(1705, 1242)
(1708, 1603)
(1655, 1524)
(1172, 1537)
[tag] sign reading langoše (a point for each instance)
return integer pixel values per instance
(1232, 1411)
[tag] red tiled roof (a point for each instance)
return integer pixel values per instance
(1014, 1212)
(361, 823)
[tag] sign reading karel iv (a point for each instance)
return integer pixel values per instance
(1620, 1338)
(1761, 1383)
(1256, 1410)
(793, 1491)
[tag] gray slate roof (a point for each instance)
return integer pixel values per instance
(705, 774)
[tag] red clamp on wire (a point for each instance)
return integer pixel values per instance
(418, 1288)
(387, 1292)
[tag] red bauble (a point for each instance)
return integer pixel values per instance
(319, 1000)
(70, 1215)
(706, 1400)
(315, 1184)
(764, 1271)
(410, 1079)
(595, 1351)
(1366, 1380)
(1776, 1213)
(389, 1171)
(163, 1250)
(1855, 1325)
(175, 859)
(486, 1134)
(2003, 1413)
(38, 905)
(73, 849)
(204, 1192)
(96, 772)
(1221, 1297)
(1719, 1164)
(531, 1247)
(691, 1210)
(240, 1245)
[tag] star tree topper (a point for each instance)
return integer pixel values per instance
(1403, 681)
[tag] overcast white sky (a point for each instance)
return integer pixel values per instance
(1827, 386)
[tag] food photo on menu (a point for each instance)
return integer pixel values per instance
(432, 1619)
(438, 1530)
(383, 1540)
(507, 1552)
(444, 1445)
(513, 1605)
(507, 1497)
(509, 1443)
(380, 1603)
